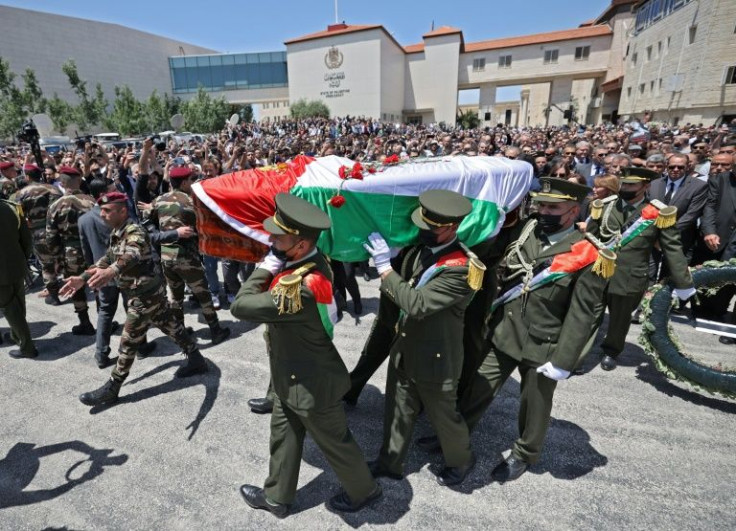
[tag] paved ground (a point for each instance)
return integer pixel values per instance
(626, 449)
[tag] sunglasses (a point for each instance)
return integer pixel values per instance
(676, 167)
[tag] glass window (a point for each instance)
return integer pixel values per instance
(550, 56)
(190, 61)
(504, 61)
(479, 64)
(180, 79)
(582, 53)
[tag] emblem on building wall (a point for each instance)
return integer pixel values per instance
(333, 58)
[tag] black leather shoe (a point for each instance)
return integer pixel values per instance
(145, 350)
(727, 340)
(83, 329)
(344, 504)
(52, 300)
(219, 334)
(260, 405)
(455, 475)
(608, 363)
(357, 307)
(107, 394)
(509, 470)
(380, 471)
(430, 444)
(17, 354)
(256, 498)
(196, 364)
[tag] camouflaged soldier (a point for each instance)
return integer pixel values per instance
(180, 260)
(8, 173)
(62, 240)
(36, 198)
(130, 263)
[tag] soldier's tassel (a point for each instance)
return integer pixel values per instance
(476, 270)
(666, 218)
(605, 264)
(287, 294)
(596, 209)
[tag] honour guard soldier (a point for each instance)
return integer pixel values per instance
(180, 260)
(631, 226)
(291, 292)
(8, 173)
(36, 198)
(15, 242)
(62, 240)
(551, 282)
(129, 262)
(428, 295)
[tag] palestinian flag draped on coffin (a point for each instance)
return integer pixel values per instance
(372, 198)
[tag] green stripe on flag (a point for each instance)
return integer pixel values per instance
(324, 314)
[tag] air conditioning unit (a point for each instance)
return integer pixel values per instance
(596, 102)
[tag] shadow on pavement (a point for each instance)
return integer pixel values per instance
(61, 346)
(647, 373)
(20, 465)
(210, 381)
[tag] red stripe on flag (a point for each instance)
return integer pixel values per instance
(581, 254)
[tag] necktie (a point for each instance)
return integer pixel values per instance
(628, 210)
(670, 191)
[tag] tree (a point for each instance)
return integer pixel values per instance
(204, 114)
(18, 105)
(127, 116)
(468, 119)
(90, 111)
(309, 109)
(60, 112)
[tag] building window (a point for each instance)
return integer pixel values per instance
(634, 57)
(642, 86)
(582, 53)
(659, 48)
(550, 56)
(479, 64)
(730, 77)
(651, 86)
(628, 93)
(669, 40)
(504, 61)
(649, 53)
(692, 30)
(660, 83)
(265, 105)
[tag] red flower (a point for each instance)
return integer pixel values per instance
(356, 173)
(343, 172)
(371, 169)
(392, 159)
(337, 201)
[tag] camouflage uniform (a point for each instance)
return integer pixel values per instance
(62, 238)
(129, 253)
(36, 198)
(180, 260)
(7, 188)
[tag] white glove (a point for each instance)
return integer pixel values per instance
(380, 251)
(271, 264)
(553, 373)
(684, 293)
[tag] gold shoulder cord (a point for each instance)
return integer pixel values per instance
(476, 269)
(605, 264)
(667, 214)
(287, 293)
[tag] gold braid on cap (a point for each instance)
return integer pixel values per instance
(557, 196)
(284, 227)
(287, 293)
(434, 223)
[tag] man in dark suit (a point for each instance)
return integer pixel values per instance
(718, 226)
(15, 241)
(688, 194)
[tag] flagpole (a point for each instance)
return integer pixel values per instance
(336, 17)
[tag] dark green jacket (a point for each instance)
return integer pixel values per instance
(306, 369)
(632, 264)
(555, 323)
(15, 242)
(430, 326)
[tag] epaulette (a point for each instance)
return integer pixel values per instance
(605, 264)
(476, 268)
(287, 293)
(596, 207)
(667, 214)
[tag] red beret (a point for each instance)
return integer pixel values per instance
(180, 172)
(69, 170)
(112, 197)
(30, 167)
(4, 165)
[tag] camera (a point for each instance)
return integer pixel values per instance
(158, 143)
(28, 132)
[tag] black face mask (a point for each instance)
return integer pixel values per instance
(627, 195)
(280, 254)
(428, 238)
(550, 223)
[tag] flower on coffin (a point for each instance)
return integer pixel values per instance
(357, 171)
(337, 201)
(371, 169)
(343, 172)
(391, 160)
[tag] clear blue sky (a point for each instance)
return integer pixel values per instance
(252, 26)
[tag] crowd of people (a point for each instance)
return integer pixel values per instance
(121, 222)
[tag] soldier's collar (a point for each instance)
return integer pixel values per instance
(288, 265)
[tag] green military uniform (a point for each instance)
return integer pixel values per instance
(62, 241)
(308, 376)
(15, 242)
(7, 188)
(428, 298)
(625, 289)
(130, 255)
(180, 260)
(539, 326)
(36, 198)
